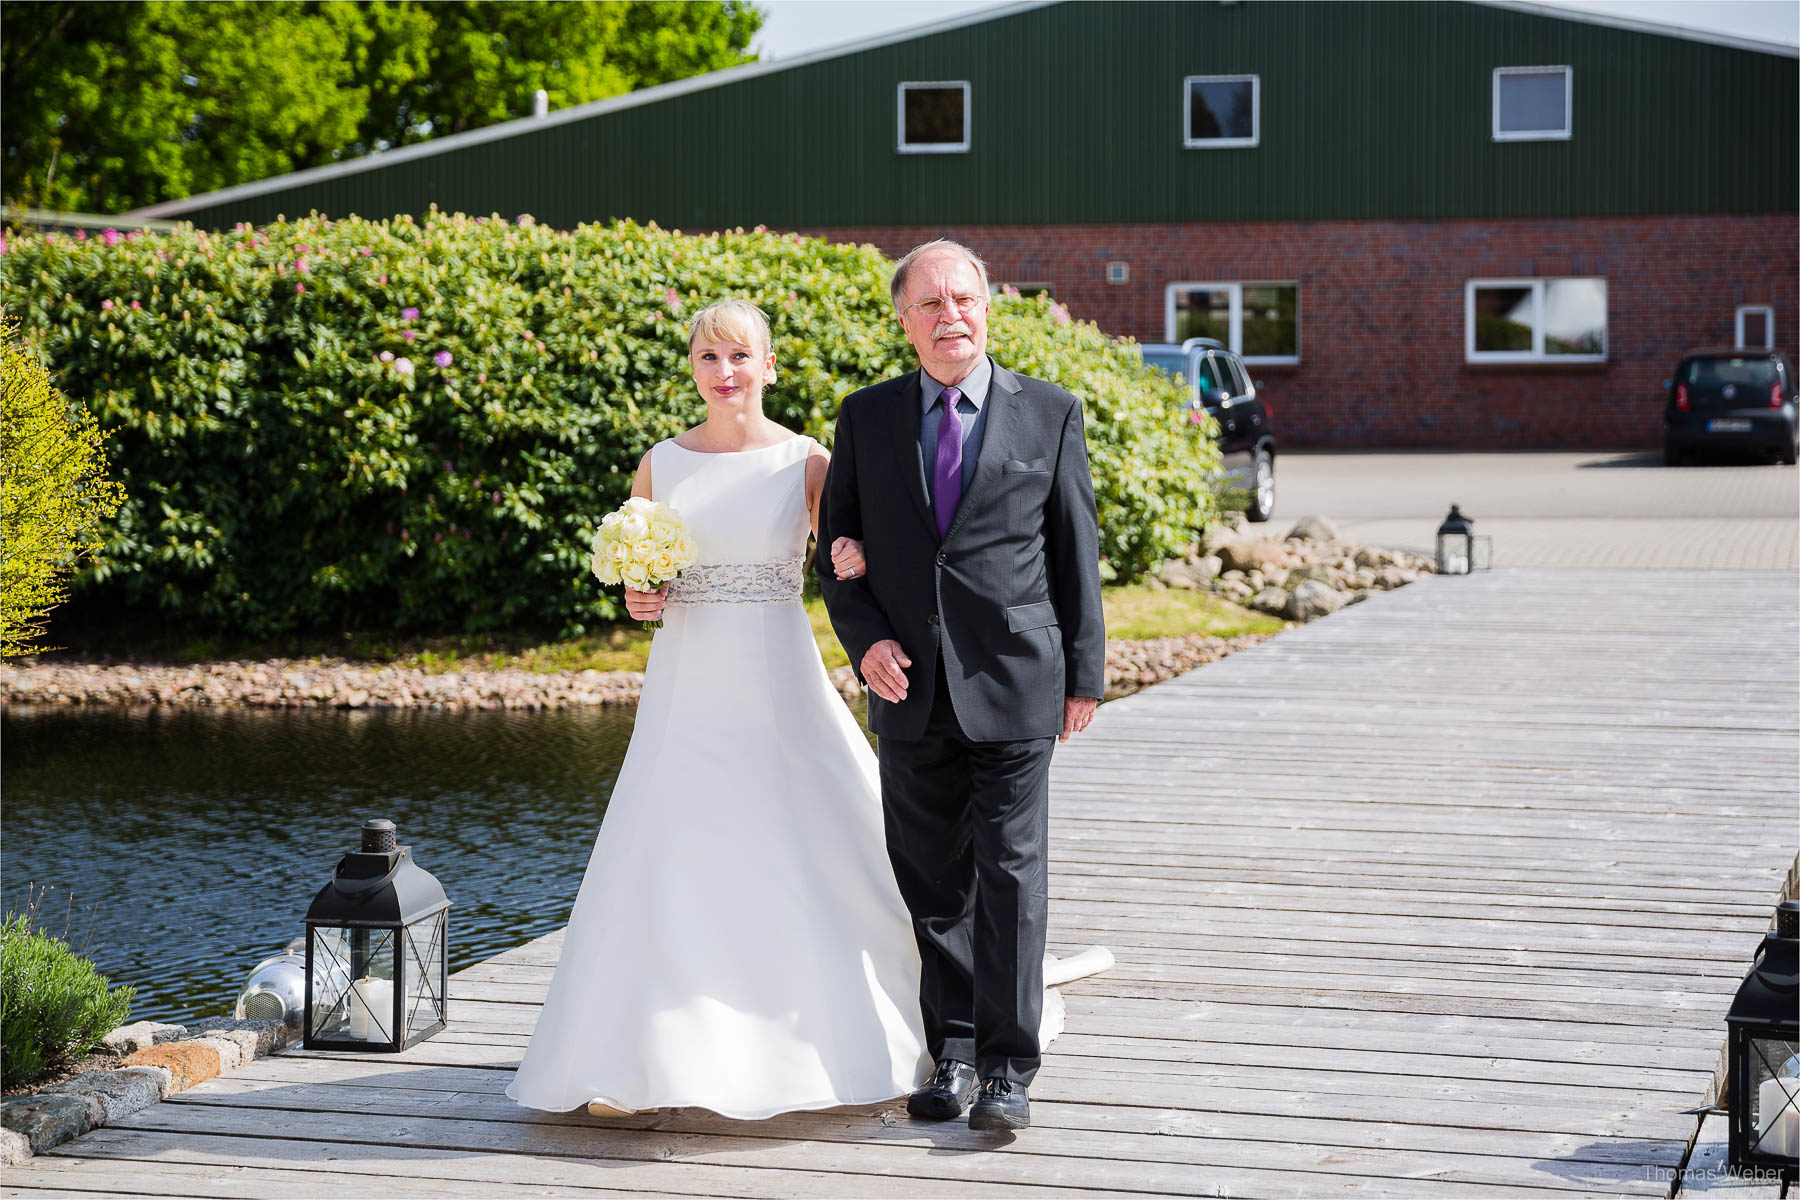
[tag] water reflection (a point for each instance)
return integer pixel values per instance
(195, 838)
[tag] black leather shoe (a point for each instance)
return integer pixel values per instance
(1003, 1105)
(947, 1094)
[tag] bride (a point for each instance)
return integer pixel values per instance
(738, 943)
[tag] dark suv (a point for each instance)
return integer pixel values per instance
(1735, 401)
(1217, 381)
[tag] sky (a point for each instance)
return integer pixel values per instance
(796, 27)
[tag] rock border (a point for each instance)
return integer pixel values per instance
(155, 1061)
(1308, 574)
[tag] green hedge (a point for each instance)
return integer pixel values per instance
(284, 472)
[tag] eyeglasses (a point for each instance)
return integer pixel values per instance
(933, 306)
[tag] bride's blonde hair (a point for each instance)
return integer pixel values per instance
(731, 321)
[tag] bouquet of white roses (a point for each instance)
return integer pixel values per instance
(643, 545)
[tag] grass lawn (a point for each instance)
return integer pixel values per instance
(1134, 613)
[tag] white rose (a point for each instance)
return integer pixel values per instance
(620, 552)
(634, 528)
(664, 534)
(639, 506)
(636, 575)
(663, 566)
(642, 552)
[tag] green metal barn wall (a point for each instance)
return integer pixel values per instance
(1369, 110)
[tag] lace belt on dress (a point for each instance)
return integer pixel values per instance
(739, 583)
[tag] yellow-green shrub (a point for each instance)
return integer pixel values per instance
(54, 495)
(283, 472)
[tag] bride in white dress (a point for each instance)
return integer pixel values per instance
(739, 943)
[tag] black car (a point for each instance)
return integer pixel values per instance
(1730, 401)
(1217, 381)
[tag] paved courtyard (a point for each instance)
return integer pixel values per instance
(1557, 510)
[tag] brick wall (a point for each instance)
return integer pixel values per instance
(1381, 312)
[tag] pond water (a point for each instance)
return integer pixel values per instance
(181, 846)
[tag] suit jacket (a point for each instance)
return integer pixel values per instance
(1010, 595)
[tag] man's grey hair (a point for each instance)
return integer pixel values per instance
(903, 268)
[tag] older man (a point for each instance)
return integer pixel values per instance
(978, 631)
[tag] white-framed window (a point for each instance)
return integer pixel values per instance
(1756, 327)
(1221, 112)
(1534, 104)
(1260, 321)
(1535, 320)
(933, 118)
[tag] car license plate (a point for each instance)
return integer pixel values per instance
(1728, 425)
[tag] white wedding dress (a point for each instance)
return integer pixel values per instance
(738, 943)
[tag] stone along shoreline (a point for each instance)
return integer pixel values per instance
(1308, 575)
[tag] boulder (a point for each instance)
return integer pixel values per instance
(1313, 599)
(1246, 555)
(1312, 571)
(1209, 567)
(1177, 574)
(1314, 529)
(1271, 600)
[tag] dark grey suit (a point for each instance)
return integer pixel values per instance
(1002, 620)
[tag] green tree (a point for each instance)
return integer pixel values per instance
(54, 494)
(113, 106)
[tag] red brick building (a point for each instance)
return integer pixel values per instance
(1468, 225)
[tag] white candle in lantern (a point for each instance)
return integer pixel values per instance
(372, 1010)
(1777, 1122)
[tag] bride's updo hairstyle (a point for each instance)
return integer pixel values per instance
(730, 321)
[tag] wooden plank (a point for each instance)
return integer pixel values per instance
(854, 1126)
(1708, 1172)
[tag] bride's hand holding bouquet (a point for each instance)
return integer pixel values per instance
(643, 544)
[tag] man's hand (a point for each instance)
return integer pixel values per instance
(1077, 712)
(645, 606)
(881, 670)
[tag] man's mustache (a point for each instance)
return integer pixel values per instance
(953, 331)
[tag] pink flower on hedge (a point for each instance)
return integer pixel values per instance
(403, 365)
(442, 358)
(481, 378)
(496, 497)
(381, 279)
(405, 535)
(365, 251)
(81, 235)
(1196, 418)
(106, 306)
(671, 299)
(437, 537)
(299, 289)
(410, 314)
(1059, 315)
(110, 236)
(408, 334)
(387, 356)
(135, 306)
(302, 266)
(300, 249)
(528, 335)
(3, 245)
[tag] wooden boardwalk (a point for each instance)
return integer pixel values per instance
(1443, 896)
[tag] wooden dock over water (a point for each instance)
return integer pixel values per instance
(1443, 896)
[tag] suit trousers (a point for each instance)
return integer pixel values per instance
(968, 835)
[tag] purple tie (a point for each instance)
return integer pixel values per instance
(946, 477)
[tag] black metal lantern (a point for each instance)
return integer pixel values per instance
(377, 940)
(1459, 549)
(1763, 1090)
